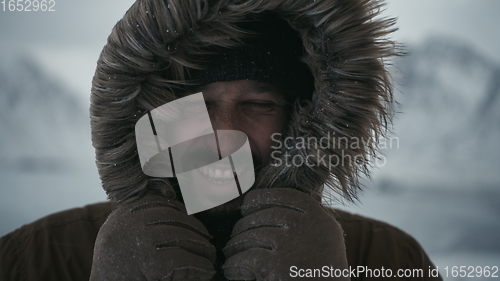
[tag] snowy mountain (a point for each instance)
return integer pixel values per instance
(449, 125)
(42, 126)
(46, 157)
(447, 131)
(441, 184)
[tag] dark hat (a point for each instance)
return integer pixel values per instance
(271, 53)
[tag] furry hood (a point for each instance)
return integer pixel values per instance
(150, 50)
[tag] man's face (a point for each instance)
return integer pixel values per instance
(255, 108)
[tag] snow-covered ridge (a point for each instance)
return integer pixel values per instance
(40, 121)
(449, 125)
(448, 130)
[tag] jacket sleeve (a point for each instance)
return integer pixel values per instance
(56, 247)
(373, 245)
(417, 259)
(10, 263)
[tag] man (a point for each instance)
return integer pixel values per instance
(278, 71)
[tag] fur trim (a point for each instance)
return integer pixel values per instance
(151, 49)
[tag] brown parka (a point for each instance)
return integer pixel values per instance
(59, 247)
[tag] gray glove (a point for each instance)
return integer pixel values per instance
(282, 228)
(152, 238)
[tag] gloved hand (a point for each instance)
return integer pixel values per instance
(282, 228)
(152, 238)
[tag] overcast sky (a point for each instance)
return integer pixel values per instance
(474, 21)
(68, 41)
